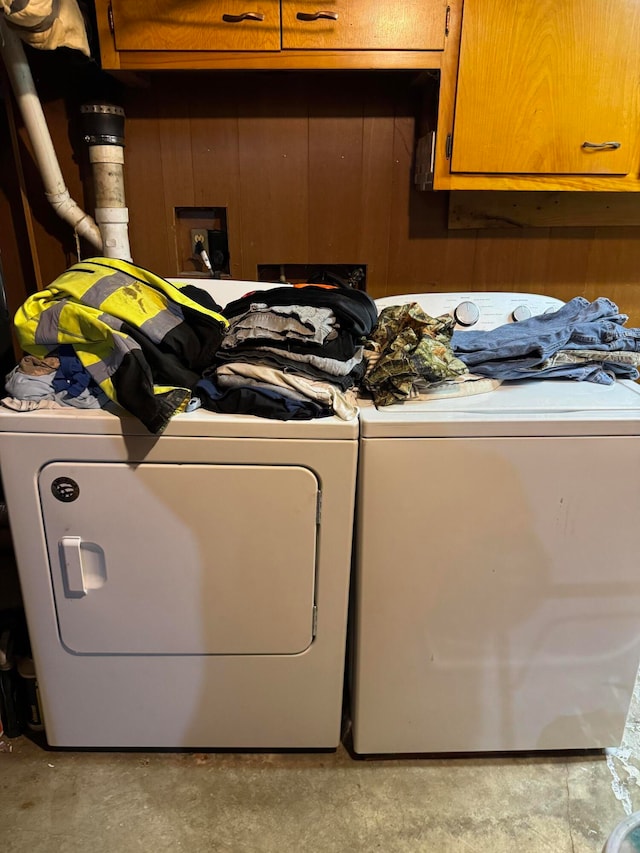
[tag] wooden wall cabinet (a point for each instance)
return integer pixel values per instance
(540, 94)
(162, 34)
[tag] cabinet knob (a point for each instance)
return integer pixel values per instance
(600, 146)
(314, 16)
(243, 16)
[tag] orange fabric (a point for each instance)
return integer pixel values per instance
(313, 284)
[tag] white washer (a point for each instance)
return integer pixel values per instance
(188, 590)
(497, 570)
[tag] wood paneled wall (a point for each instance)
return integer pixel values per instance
(317, 168)
(302, 162)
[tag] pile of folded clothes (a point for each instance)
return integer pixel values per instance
(291, 353)
(108, 331)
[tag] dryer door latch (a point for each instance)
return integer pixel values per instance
(72, 563)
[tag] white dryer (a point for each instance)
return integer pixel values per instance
(497, 587)
(187, 590)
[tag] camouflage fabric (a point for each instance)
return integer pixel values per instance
(590, 356)
(406, 347)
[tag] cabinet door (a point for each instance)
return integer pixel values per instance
(364, 25)
(538, 79)
(197, 25)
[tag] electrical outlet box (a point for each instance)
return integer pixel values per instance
(209, 223)
(199, 235)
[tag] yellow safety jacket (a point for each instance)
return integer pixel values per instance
(142, 339)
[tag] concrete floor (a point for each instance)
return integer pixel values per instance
(321, 803)
(99, 802)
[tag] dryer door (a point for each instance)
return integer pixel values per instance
(181, 559)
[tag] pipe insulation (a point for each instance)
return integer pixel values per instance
(104, 134)
(55, 188)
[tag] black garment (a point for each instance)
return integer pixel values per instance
(251, 400)
(201, 297)
(355, 310)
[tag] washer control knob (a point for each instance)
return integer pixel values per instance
(520, 313)
(467, 314)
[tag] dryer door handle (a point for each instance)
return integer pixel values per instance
(71, 558)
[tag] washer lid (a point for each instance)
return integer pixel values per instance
(541, 407)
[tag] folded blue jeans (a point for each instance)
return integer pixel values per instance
(516, 347)
(603, 374)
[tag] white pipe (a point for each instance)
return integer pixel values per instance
(112, 216)
(114, 222)
(54, 186)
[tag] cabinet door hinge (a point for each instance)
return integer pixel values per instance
(447, 21)
(110, 19)
(448, 146)
(314, 621)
